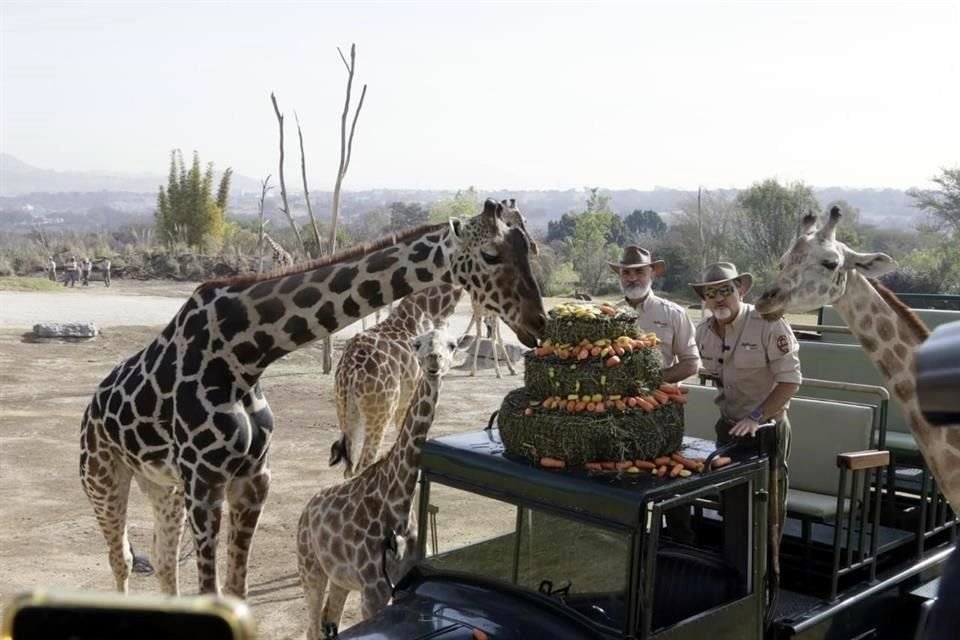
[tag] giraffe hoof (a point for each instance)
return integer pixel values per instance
(142, 566)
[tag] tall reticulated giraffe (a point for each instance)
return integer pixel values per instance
(485, 316)
(377, 372)
(818, 269)
(186, 416)
(343, 528)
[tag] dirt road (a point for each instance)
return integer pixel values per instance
(49, 535)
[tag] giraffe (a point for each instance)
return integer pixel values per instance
(483, 315)
(377, 372)
(343, 529)
(818, 269)
(186, 416)
(281, 258)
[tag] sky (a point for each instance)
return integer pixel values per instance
(518, 95)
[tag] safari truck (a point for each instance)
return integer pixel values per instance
(582, 554)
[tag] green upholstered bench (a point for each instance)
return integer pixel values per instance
(933, 318)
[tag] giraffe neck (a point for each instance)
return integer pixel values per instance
(402, 462)
(254, 322)
(889, 337)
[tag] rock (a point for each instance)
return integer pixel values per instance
(65, 330)
(513, 352)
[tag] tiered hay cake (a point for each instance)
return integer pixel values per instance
(591, 392)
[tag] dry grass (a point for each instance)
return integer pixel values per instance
(20, 283)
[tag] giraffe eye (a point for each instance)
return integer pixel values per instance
(451, 345)
(490, 258)
(830, 265)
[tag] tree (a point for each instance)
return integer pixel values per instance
(187, 210)
(646, 222)
(942, 205)
(767, 220)
(702, 233)
(404, 215)
(463, 204)
(562, 229)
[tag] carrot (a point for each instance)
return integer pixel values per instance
(685, 462)
(669, 388)
(644, 464)
(631, 401)
(677, 468)
(721, 461)
(592, 466)
(599, 408)
(662, 470)
(595, 351)
(478, 634)
(620, 404)
(608, 465)
(528, 412)
(652, 400)
(678, 398)
(624, 465)
(552, 463)
(583, 354)
(645, 404)
(580, 406)
(660, 396)
(662, 460)
(617, 349)
(613, 361)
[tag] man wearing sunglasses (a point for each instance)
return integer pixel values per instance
(754, 361)
(669, 321)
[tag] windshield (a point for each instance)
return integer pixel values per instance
(581, 564)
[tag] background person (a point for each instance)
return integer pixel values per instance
(668, 320)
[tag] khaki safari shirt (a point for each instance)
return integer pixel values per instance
(749, 361)
(671, 324)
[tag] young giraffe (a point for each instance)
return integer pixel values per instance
(343, 528)
(483, 315)
(186, 416)
(281, 258)
(817, 270)
(377, 372)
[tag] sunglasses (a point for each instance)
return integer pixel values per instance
(713, 292)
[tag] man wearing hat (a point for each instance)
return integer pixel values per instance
(754, 361)
(668, 320)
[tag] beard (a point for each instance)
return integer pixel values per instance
(637, 291)
(722, 313)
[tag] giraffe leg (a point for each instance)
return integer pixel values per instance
(374, 598)
(494, 337)
(476, 346)
(333, 607)
(499, 347)
(204, 505)
(376, 416)
(106, 481)
(246, 497)
(168, 522)
(314, 581)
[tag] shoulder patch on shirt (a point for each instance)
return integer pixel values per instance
(783, 343)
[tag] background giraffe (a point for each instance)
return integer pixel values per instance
(377, 373)
(281, 258)
(186, 416)
(817, 270)
(343, 529)
(483, 314)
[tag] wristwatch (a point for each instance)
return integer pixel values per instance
(757, 415)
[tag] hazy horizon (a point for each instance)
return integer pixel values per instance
(499, 96)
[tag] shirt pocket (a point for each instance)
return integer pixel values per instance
(749, 359)
(666, 337)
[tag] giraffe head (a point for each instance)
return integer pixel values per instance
(435, 350)
(492, 261)
(813, 271)
(513, 218)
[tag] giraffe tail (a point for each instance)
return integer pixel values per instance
(340, 451)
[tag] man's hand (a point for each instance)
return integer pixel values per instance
(746, 427)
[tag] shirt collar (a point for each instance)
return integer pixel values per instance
(645, 304)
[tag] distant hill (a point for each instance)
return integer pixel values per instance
(18, 178)
(33, 192)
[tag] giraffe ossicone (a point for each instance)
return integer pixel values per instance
(186, 417)
(817, 270)
(343, 529)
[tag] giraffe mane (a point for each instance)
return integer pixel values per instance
(340, 256)
(902, 310)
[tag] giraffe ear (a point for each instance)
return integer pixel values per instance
(871, 265)
(456, 230)
(465, 341)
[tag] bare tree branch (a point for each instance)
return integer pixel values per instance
(306, 190)
(263, 196)
(283, 184)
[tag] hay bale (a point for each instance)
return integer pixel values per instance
(571, 330)
(546, 376)
(580, 437)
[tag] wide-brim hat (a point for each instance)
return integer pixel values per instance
(722, 272)
(635, 257)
